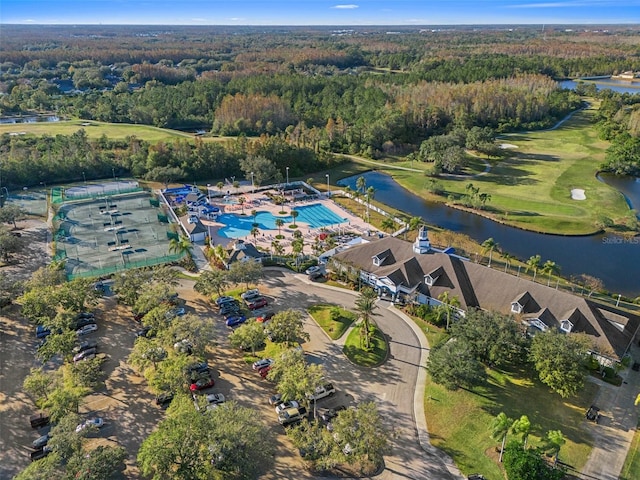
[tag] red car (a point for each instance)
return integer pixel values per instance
(264, 371)
(202, 384)
(257, 303)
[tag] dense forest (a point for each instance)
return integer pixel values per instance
(316, 90)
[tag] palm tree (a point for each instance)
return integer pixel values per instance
(220, 253)
(254, 214)
(550, 268)
(255, 232)
(489, 245)
(553, 442)
(220, 186)
(365, 305)
(279, 224)
(294, 214)
(499, 430)
(507, 261)
(236, 185)
(278, 249)
(370, 192)
(297, 234)
(534, 264)
(181, 246)
(414, 223)
(361, 184)
(448, 304)
(522, 426)
(297, 246)
(388, 224)
(310, 181)
(241, 201)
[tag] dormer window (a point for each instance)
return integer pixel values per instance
(379, 259)
(430, 281)
(566, 326)
(516, 307)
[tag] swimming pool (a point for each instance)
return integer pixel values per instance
(315, 215)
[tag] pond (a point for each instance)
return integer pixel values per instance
(615, 260)
(620, 86)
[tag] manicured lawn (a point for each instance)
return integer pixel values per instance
(333, 325)
(460, 422)
(631, 467)
(532, 188)
(372, 358)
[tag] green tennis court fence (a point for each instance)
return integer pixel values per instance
(149, 262)
(58, 196)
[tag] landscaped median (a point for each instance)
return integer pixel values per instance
(334, 320)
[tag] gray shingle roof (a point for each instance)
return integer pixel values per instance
(481, 287)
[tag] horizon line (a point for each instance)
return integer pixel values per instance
(405, 25)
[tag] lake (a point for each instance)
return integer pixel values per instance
(620, 86)
(613, 259)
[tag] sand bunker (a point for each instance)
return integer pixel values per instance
(506, 146)
(578, 194)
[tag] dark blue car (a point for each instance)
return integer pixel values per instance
(237, 320)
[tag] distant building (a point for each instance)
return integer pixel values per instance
(193, 228)
(242, 251)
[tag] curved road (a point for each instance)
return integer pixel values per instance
(391, 386)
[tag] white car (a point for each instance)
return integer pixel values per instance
(325, 390)
(314, 270)
(97, 422)
(92, 327)
(249, 294)
(215, 398)
(265, 362)
(285, 405)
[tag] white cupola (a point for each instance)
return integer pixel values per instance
(422, 244)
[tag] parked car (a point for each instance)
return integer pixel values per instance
(81, 322)
(475, 476)
(38, 454)
(202, 367)
(236, 320)
(275, 399)
(257, 303)
(202, 384)
(139, 316)
(174, 312)
(292, 415)
(286, 405)
(42, 331)
(144, 332)
(222, 300)
(96, 422)
(87, 329)
(85, 354)
(264, 316)
(39, 420)
(331, 413)
(249, 294)
(85, 346)
(184, 346)
(164, 399)
(229, 308)
(215, 398)
(231, 312)
(323, 391)
(316, 269)
(593, 414)
(40, 442)
(264, 371)
(82, 315)
(265, 362)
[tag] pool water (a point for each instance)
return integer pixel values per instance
(239, 226)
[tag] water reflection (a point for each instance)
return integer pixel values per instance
(613, 259)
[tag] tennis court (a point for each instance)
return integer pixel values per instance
(106, 234)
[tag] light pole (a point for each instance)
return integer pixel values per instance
(113, 172)
(252, 186)
(328, 188)
(287, 176)
(84, 178)
(209, 192)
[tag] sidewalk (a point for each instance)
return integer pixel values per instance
(614, 433)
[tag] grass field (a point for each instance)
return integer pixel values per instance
(631, 467)
(460, 422)
(531, 188)
(366, 358)
(334, 327)
(97, 129)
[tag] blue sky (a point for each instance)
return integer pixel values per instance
(319, 12)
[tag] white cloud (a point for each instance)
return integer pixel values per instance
(28, 20)
(572, 3)
(198, 19)
(345, 7)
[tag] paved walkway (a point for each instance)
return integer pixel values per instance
(439, 464)
(614, 433)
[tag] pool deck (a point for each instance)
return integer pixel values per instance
(261, 203)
